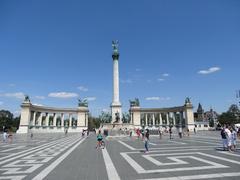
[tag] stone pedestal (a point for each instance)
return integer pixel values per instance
(25, 117)
(189, 116)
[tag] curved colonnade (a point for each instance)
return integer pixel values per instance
(180, 116)
(50, 119)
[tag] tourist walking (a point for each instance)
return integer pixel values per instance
(170, 132)
(234, 139)
(5, 135)
(229, 137)
(31, 135)
(194, 129)
(188, 132)
(180, 132)
(146, 141)
(160, 130)
(224, 139)
(138, 133)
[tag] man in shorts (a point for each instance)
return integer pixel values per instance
(99, 139)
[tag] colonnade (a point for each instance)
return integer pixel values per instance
(162, 119)
(180, 116)
(49, 119)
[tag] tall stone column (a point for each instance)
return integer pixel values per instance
(47, 120)
(167, 116)
(153, 119)
(70, 120)
(62, 120)
(174, 118)
(34, 118)
(116, 107)
(40, 119)
(160, 119)
(146, 119)
(55, 120)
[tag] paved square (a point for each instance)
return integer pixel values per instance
(74, 157)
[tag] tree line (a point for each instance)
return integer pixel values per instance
(231, 116)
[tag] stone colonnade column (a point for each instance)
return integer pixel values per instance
(40, 119)
(34, 118)
(153, 119)
(47, 119)
(160, 119)
(55, 119)
(62, 119)
(167, 116)
(70, 120)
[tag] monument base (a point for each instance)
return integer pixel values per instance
(117, 129)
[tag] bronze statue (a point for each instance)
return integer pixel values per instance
(117, 117)
(134, 102)
(115, 46)
(26, 98)
(82, 103)
(187, 100)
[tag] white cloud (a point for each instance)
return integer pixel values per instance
(210, 70)
(18, 95)
(39, 97)
(165, 74)
(105, 110)
(90, 98)
(82, 88)
(126, 81)
(156, 98)
(62, 95)
(1, 103)
(161, 79)
(152, 98)
(137, 69)
(36, 104)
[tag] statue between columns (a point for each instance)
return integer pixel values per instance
(82, 103)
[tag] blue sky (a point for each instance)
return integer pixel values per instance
(58, 51)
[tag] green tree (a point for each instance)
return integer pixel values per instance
(126, 117)
(93, 122)
(7, 120)
(227, 118)
(105, 117)
(211, 122)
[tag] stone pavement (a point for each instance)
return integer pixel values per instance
(60, 157)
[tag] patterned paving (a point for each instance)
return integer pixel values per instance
(73, 157)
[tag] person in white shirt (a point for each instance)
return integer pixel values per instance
(229, 137)
(234, 139)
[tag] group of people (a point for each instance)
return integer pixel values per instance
(229, 138)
